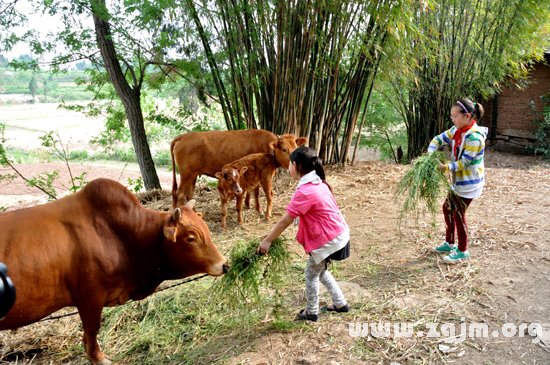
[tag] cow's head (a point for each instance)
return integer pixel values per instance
(283, 147)
(228, 179)
(293, 140)
(188, 245)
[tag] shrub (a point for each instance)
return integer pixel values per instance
(542, 134)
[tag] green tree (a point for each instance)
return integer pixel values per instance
(83, 65)
(45, 83)
(128, 91)
(33, 86)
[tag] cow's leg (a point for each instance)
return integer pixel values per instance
(90, 314)
(267, 187)
(240, 199)
(180, 193)
(191, 189)
(186, 188)
(257, 198)
(247, 200)
(224, 212)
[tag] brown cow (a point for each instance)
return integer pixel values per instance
(198, 153)
(98, 247)
(247, 174)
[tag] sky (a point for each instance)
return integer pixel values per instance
(38, 21)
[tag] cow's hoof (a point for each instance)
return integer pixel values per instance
(105, 361)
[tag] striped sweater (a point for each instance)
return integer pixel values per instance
(468, 169)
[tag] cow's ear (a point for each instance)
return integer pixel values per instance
(218, 175)
(301, 141)
(243, 170)
(271, 145)
(190, 204)
(171, 233)
(177, 214)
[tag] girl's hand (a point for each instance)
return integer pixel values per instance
(263, 248)
(442, 167)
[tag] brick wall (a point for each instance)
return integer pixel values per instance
(515, 106)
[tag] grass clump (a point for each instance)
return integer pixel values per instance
(250, 271)
(177, 326)
(423, 184)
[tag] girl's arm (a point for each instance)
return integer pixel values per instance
(442, 139)
(276, 231)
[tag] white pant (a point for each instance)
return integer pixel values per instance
(314, 273)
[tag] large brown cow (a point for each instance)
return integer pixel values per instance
(198, 153)
(98, 247)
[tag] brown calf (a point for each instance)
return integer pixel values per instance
(247, 174)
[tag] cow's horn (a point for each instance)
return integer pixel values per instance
(190, 203)
(177, 215)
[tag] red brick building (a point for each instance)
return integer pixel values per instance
(511, 113)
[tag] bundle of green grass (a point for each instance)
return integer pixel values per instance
(424, 184)
(250, 271)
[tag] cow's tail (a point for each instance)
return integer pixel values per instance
(174, 181)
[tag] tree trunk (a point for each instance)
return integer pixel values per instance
(130, 97)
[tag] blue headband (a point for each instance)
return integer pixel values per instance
(462, 105)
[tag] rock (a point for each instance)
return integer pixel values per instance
(353, 292)
(506, 146)
(542, 336)
(518, 133)
(444, 348)
(523, 142)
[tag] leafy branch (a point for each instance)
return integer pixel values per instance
(60, 151)
(43, 181)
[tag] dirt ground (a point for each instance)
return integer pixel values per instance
(392, 275)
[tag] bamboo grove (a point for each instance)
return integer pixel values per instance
(297, 66)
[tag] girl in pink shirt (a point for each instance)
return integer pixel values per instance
(322, 230)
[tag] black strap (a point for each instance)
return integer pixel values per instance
(7, 291)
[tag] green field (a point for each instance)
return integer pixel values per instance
(48, 87)
(25, 123)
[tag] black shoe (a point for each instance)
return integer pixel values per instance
(333, 308)
(303, 315)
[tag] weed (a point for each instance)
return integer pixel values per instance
(136, 185)
(542, 134)
(249, 271)
(80, 155)
(423, 183)
(163, 158)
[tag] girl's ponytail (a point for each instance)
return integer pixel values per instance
(468, 106)
(320, 170)
(318, 167)
(478, 111)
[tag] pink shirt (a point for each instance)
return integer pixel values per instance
(320, 217)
